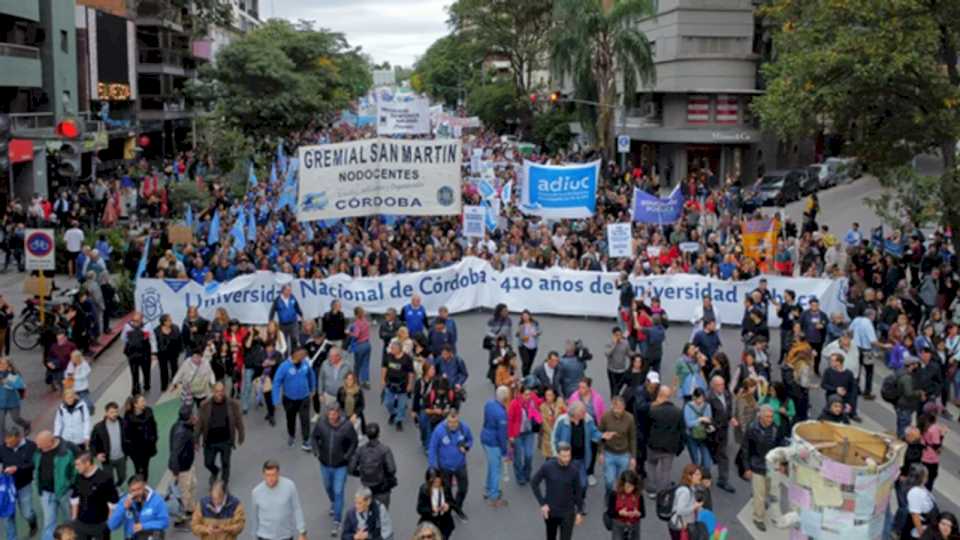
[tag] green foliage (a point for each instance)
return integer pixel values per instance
(497, 105)
(182, 193)
(201, 14)
(514, 30)
(283, 77)
(596, 46)
(126, 290)
(225, 143)
(551, 130)
(912, 198)
(449, 65)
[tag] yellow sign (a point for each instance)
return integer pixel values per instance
(113, 91)
(760, 238)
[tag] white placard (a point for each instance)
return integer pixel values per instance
(473, 221)
(619, 240)
(403, 116)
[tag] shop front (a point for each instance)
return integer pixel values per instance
(718, 153)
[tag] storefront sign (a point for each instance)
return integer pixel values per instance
(731, 136)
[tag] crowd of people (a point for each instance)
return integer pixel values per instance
(543, 417)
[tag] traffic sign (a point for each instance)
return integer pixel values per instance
(40, 248)
(623, 144)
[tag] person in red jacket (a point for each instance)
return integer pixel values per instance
(523, 423)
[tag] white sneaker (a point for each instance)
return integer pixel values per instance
(314, 418)
(592, 480)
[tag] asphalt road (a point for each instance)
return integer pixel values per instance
(520, 519)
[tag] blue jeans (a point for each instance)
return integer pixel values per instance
(396, 404)
(246, 391)
(699, 455)
(613, 466)
(425, 429)
(904, 419)
(581, 466)
(24, 508)
(523, 456)
(956, 384)
(54, 511)
(334, 480)
(361, 361)
(494, 462)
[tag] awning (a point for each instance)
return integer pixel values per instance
(20, 150)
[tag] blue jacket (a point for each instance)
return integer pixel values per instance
(443, 452)
(414, 318)
(152, 515)
(494, 432)
(452, 330)
(10, 391)
(562, 431)
(437, 340)
(569, 372)
(285, 310)
(297, 382)
(454, 371)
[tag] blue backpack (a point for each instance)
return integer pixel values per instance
(8, 496)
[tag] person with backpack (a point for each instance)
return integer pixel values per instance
(901, 390)
(72, 420)
(334, 443)
(373, 463)
(180, 462)
(686, 501)
(666, 438)
(139, 346)
(139, 434)
(761, 437)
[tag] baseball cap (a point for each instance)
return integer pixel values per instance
(653, 377)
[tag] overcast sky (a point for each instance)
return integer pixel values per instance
(394, 30)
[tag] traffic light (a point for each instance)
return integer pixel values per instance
(70, 158)
(68, 129)
(6, 133)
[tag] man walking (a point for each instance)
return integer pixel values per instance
(332, 374)
(220, 430)
(721, 404)
(93, 495)
(761, 438)
(909, 394)
(106, 443)
(16, 458)
(53, 463)
(866, 341)
(666, 438)
(277, 513)
(334, 442)
(447, 453)
(493, 437)
(374, 464)
(287, 311)
(561, 504)
(618, 446)
(397, 376)
(618, 354)
(293, 384)
(142, 512)
(139, 346)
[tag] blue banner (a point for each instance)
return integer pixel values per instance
(659, 210)
(560, 191)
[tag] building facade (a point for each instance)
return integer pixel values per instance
(697, 116)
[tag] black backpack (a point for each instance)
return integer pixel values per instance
(136, 343)
(665, 498)
(889, 389)
(370, 466)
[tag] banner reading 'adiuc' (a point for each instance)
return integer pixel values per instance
(379, 176)
(470, 284)
(559, 191)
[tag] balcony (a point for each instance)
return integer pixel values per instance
(647, 116)
(21, 66)
(165, 62)
(159, 13)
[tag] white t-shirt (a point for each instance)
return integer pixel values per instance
(74, 239)
(919, 501)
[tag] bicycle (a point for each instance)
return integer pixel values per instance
(27, 332)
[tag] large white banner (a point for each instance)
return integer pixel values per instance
(379, 176)
(403, 115)
(470, 284)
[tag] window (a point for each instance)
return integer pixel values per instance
(64, 41)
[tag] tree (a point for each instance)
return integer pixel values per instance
(200, 14)
(551, 130)
(514, 30)
(882, 73)
(281, 78)
(448, 70)
(496, 104)
(598, 44)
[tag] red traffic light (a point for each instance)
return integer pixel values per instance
(68, 129)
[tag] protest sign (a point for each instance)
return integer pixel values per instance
(619, 240)
(473, 219)
(180, 234)
(560, 191)
(379, 176)
(760, 238)
(403, 115)
(648, 208)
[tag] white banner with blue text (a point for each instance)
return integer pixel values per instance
(473, 283)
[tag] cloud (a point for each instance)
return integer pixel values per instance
(397, 31)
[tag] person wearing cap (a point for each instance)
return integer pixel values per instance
(813, 324)
(911, 394)
(334, 442)
(639, 401)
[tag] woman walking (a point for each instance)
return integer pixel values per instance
(528, 335)
(625, 507)
(552, 407)
(11, 387)
(169, 349)
(139, 434)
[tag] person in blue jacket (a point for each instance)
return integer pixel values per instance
(447, 453)
(296, 381)
(414, 315)
(580, 446)
(493, 437)
(140, 511)
(288, 314)
(451, 367)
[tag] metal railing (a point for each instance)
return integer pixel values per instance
(19, 51)
(37, 121)
(162, 56)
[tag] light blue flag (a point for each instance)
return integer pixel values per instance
(390, 220)
(506, 193)
(281, 157)
(273, 173)
(291, 170)
(239, 235)
(211, 287)
(309, 232)
(251, 227)
(142, 265)
(188, 217)
(486, 188)
(252, 175)
(330, 223)
(213, 237)
(489, 219)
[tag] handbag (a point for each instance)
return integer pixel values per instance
(488, 343)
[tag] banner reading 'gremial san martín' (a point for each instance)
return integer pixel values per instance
(379, 176)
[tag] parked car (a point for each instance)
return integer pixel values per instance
(809, 180)
(848, 169)
(777, 188)
(827, 173)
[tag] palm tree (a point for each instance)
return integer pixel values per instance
(596, 42)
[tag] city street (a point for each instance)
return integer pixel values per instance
(520, 519)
